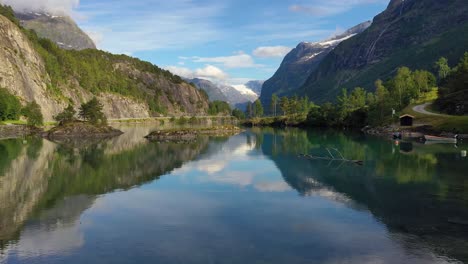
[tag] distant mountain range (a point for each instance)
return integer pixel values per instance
(60, 29)
(237, 96)
(301, 62)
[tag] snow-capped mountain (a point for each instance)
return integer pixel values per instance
(301, 61)
(236, 95)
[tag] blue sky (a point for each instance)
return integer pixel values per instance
(229, 40)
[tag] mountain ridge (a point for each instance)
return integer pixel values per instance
(61, 29)
(408, 33)
(303, 60)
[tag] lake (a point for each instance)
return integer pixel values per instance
(249, 198)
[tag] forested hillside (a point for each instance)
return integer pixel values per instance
(34, 68)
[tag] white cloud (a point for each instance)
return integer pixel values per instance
(273, 51)
(235, 61)
(50, 6)
(209, 71)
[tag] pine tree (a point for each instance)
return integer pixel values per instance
(92, 112)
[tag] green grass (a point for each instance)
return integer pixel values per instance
(13, 122)
(440, 123)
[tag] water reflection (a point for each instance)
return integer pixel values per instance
(232, 200)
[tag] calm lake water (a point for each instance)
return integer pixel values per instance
(245, 199)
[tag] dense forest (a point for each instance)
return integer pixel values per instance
(453, 92)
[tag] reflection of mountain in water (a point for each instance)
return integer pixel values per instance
(55, 183)
(422, 194)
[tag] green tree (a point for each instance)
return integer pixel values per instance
(274, 104)
(219, 107)
(10, 106)
(249, 110)
(284, 104)
(258, 108)
(67, 115)
(92, 112)
(453, 92)
(238, 114)
(33, 114)
(405, 88)
(443, 68)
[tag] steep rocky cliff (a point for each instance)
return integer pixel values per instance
(301, 61)
(413, 33)
(35, 69)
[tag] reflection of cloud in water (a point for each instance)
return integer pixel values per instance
(45, 242)
(279, 186)
(211, 167)
(239, 178)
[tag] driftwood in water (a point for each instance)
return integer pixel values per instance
(332, 157)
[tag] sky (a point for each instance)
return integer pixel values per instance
(227, 41)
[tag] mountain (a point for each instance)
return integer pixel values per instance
(37, 69)
(213, 91)
(412, 33)
(237, 95)
(301, 61)
(255, 86)
(60, 29)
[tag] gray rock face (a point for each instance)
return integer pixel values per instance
(60, 29)
(301, 62)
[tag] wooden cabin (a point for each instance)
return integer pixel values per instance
(406, 120)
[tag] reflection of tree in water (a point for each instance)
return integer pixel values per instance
(423, 194)
(50, 173)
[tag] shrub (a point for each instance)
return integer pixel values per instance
(68, 115)
(10, 106)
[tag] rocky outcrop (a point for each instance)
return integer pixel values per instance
(82, 130)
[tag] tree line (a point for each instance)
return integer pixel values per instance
(359, 107)
(453, 91)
